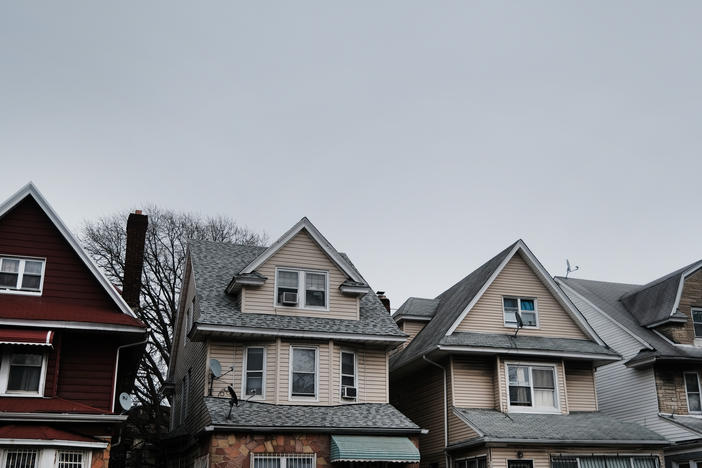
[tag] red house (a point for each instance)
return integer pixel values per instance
(69, 343)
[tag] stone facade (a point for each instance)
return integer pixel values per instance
(691, 297)
(670, 387)
(233, 450)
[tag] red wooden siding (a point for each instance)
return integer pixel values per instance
(87, 369)
(26, 230)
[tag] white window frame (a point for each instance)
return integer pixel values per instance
(316, 374)
(699, 391)
(85, 460)
(519, 309)
(283, 458)
(533, 409)
(46, 457)
(244, 374)
(692, 316)
(471, 458)
(301, 291)
(5, 374)
(341, 373)
(20, 276)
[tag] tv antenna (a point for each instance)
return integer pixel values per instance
(570, 269)
(233, 400)
(216, 373)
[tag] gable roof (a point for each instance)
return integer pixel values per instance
(456, 302)
(317, 236)
(416, 308)
(657, 302)
(605, 298)
(30, 190)
(214, 264)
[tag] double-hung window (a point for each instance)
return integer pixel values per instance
(526, 308)
(692, 389)
(22, 373)
(21, 274)
(311, 288)
(697, 321)
(532, 387)
(348, 373)
(278, 460)
(69, 459)
(254, 371)
(21, 458)
(303, 372)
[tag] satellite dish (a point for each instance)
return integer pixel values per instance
(125, 401)
(215, 368)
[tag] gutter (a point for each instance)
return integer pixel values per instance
(62, 417)
(340, 430)
(301, 334)
(436, 364)
(497, 441)
(114, 378)
(533, 352)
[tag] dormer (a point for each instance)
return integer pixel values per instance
(300, 274)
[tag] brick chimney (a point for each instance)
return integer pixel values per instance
(134, 257)
(384, 300)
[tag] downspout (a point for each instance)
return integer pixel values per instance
(446, 457)
(114, 384)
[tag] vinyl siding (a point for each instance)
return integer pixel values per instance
(458, 430)
(580, 382)
(232, 354)
(518, 280)
(411, 327)
(473, 382)
(300, 252)
(615, 382)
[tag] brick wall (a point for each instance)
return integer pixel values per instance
(100, 458)
(691, 297)
(229, 450)
(670, 386)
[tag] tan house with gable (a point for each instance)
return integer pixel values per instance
(302, 341)
(501, 369)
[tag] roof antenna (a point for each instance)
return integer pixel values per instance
(570, 269)
(520, 323)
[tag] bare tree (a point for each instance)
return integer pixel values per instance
(164, 265)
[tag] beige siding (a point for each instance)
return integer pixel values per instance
(517, 279)
(300, 252)
(560, 376)
(411, 327)
(371, 372)
(473, 382)
(580, 381)
(458, 430)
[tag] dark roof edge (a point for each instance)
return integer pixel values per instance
(523, 351)
(336, 430)
(417, 318)
(208, 328)
(555, 442)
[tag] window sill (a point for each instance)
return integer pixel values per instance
(516, 409)
(22, 395)
(303, 398)
(18, 292)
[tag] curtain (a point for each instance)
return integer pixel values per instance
(527, 304)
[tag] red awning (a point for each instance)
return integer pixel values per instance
(22, 336)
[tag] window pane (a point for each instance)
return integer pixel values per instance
(543, 378)
(32, 267)
(31, 282)
(23, 378)
(482, 462)
(347, 381)
(347, 363)
(509, 303)
(698, 330)
(519, 396)
(544, 398)
(9, 266)
(26, 359)
(511, 317)
(518, 375)
(315, 298)
(70, 460)
(564, 462)
(303, 360)
(316, 281)
(693, 401)
(691, 382)
(8, 280)
(254, 382)
(303, 384)
(254, 359)
(22, 458)
(618, 462)
(287, 279)
(266, 462)
(529, 319)
(527, 304)
(697, 315)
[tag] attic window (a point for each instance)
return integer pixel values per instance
(307, 289)
(21, 275)
(697, 321)
(526, 308)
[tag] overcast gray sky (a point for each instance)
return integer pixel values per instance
(420, 137)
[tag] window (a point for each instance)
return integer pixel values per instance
(185, 397)
(287, 460)
(697, 321)
(525, 307)
(254, 370)
(348, 370)
(21, 458)
(303, 370)
(692, 389)
(312, 283)
(520, 464)
(22, 373)
(21, 274)
(475, 462)
(620, 461)
(532, 387)
(69, 459)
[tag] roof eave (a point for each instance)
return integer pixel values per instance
(532, 352)
(497, 441)
(316, 429)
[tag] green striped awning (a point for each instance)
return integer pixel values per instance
(373, 448)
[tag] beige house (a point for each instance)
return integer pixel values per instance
(501, 368)
(298, 335)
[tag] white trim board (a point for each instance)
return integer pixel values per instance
(323, 243)
(538, 269)
(31, 190)
(54, 443)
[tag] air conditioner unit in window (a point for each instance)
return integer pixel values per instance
(348, 392)
(289, 299)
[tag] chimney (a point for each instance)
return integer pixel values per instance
(384, 300)
(134, 257)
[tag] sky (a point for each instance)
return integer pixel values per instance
(420, 137)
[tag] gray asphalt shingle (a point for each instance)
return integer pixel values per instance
(361, 416)
(417, 307)
(536, 343)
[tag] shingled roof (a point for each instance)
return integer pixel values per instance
(215, 263)
(575, 428)
(378, 418)
(416, 308)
